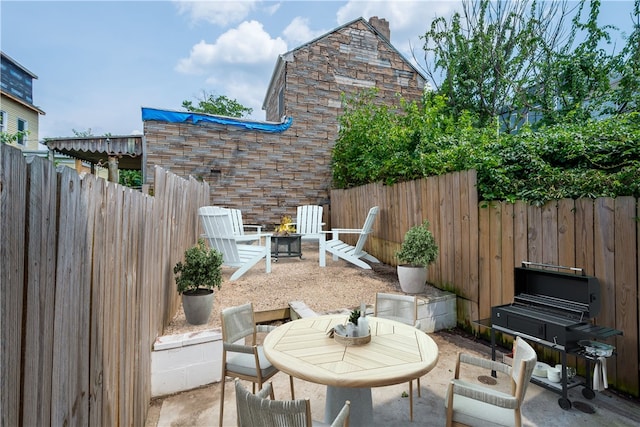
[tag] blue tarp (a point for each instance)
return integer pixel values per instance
(183, 117)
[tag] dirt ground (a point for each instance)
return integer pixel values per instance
(337, 286)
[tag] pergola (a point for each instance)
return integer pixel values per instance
(112, 152)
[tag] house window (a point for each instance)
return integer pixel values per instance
(3, 121)
(22, 131)
(281, 103)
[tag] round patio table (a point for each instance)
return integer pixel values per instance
(397, 353)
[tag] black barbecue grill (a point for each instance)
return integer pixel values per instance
(554, 309)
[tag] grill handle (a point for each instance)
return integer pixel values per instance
(528, 263)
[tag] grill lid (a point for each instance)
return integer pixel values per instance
(573, 293)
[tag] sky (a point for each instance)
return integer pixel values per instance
(99, 62)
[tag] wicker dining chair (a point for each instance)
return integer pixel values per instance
(404, 309)
(261, 410)
(241, 356)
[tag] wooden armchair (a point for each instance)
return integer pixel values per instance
(471, 403)
(241, 356)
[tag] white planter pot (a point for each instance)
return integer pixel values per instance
(412, 279)
(197, 307)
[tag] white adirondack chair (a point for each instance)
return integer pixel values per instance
(218, 230)
(353, 254)
(309, 222)
(239, 227)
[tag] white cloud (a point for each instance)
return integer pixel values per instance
(248, 44)
(218, 12)
(247, 89)
(238, 64)
(407, 19)
(272, 8)
(298, 31)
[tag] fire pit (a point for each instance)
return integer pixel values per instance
(286, 246)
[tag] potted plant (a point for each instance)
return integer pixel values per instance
(418, 250)
(196, 279)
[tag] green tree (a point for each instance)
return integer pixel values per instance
(511, 59)
(219, 105)
(484, 60)
(576, 83)
(626, 93)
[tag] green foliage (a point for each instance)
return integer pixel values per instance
(487, 58)
(354, 316)
(130, 178)
(503, 64)
(576, 80)
(201, 269)
(571, 160)
(577, 158)
(218, 105)
(419, 248)
(12, 138)
(626, 67)
(513, 61)
(379, 142)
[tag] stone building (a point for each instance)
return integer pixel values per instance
(268, 168)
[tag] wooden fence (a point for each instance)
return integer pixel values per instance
(481, 243)
(87, 285)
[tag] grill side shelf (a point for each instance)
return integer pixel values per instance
(595, 331)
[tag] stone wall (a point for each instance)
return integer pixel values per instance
(266, 175)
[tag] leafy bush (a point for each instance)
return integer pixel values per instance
(201, 269)
(579, 158)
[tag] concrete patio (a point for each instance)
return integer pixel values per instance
(200, 407)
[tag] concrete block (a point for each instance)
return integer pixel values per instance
(185, 361)
(300, 310)
(436, 310)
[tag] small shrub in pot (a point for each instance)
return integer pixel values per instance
(196, 277)
(417, 252)
(419, 248)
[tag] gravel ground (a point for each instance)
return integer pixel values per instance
(337, 286)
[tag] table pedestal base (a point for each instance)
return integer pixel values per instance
(361, 410)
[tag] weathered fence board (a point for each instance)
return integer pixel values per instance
(40, 289)
(566, 233)
(626, 290)
(99, 274)
(96, 288)
(520, 233)
(13, 187)
(484, 297)
(507, 261)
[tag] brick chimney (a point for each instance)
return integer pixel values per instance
(382, 25)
